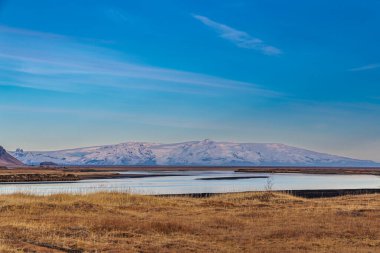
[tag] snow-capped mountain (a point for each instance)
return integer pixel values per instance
(205, 153)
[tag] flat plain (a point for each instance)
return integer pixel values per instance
(240, 222)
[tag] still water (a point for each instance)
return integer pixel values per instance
(187, 182)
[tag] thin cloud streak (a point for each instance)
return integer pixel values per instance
(82, 71)
(48, 36)
(79, 62)
(32, 33)
(116, 15)
(366, 67)
(239, 38)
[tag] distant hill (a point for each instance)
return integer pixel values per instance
(193, 153)
(8, 160)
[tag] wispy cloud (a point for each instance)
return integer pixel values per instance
(24, 32)
(116, 15)
(51, 61)
(48, 36)
(366, 67)
(239, 38)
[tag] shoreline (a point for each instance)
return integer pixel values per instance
(313, 170)
(70, 178)
(77, 173)
(104, 168)
(230, 178)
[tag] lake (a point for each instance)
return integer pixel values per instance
(184, 182)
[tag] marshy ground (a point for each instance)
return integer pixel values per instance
(241, 222)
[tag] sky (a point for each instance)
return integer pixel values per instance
(82, 73)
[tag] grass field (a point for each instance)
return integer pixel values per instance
(242, 222)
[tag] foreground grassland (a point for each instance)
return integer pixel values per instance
(244, 222)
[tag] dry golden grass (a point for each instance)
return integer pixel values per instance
(244, 222)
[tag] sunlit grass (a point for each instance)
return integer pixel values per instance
(240, 222)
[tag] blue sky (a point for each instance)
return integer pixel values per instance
(81, 73)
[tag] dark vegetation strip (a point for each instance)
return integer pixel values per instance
(118, 175)
(63, 177)
(299, 193)
(330, 193)
(12, 178)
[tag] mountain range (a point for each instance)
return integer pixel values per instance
(8, 160)
(192, 153)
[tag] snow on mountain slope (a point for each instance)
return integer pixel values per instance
(206, 152)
